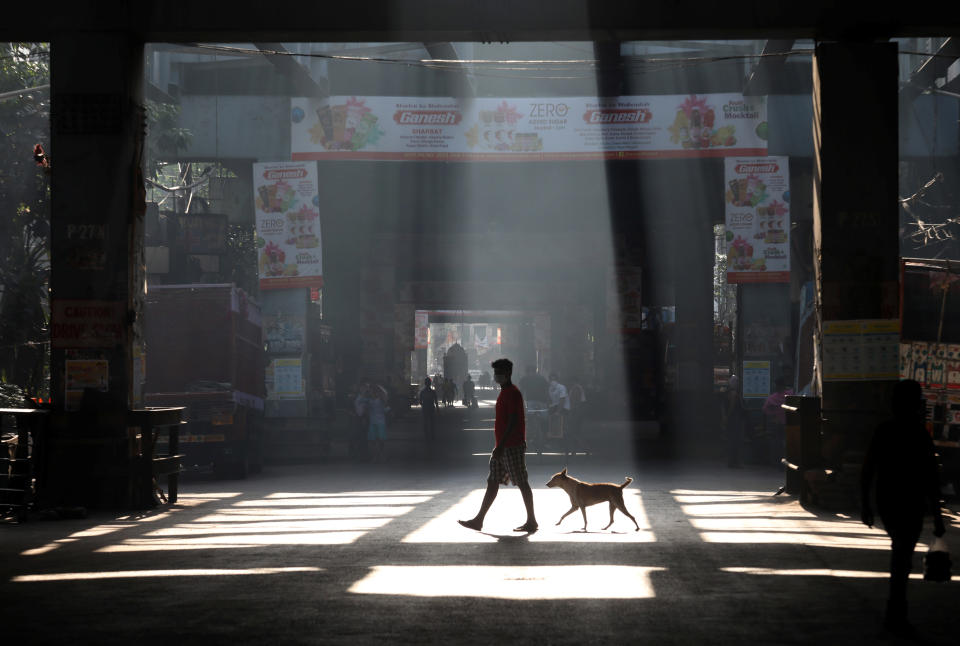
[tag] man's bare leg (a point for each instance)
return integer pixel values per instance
(488, 497)
(531, 524)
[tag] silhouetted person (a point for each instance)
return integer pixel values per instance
(775, 417)
(578, 409)
(535, 388)
(375, 403)
(507, 462)
(902, 461)
(468, 398)
(358, 436)
(559, 408)
(429, 406)
(734, 418)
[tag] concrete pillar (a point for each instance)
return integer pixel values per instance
(97, 261)
(855, 214)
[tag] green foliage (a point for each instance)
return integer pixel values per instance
(241, 258)
(12, 396)
(24, 217)
(165, 138)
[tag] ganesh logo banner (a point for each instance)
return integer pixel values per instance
(288, 225)
(527, 129)
(757, 197)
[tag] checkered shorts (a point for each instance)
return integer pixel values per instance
(511, 466)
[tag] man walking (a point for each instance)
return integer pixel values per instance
(901, 470)
(507, 462)
(429, 406)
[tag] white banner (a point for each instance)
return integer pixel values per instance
(528, 129)
(757, 219)
(288, 225)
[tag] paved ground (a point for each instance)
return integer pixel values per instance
(337, 553)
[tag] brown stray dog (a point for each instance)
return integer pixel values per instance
(584, 494)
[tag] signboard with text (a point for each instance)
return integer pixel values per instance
(288, 225)
(757, 219)
(87, 323)
(527, 129)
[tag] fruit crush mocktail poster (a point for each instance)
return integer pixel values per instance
(527, 129)
(288, 225)
(757, 196)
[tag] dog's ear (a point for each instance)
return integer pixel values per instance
(564, 472)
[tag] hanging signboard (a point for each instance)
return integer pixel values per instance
(422, 330)
(80, 375)
(861, 350)
(756, 379)
(287, 379)
(757, 198)
(288, 225)
(528, 129)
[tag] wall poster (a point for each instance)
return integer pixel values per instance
(288, 225)
(757, 218)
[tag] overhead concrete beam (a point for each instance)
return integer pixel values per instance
(772, 59)
(282, 60)
(464, 82)
(938, 66)
(478, 20)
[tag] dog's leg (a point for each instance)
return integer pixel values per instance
(613, 507)
(623, 508)
(572, 509)
(584, 510)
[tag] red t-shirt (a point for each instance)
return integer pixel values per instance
(510, 402)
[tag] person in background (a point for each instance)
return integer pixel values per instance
(469, 400)
(559, 408)
(733, 419)
(535, 388)
(429, 407)
(776, 418)
(358, 441)
(377, 409)
(578, 403)
(902, 463)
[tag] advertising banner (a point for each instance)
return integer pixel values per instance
(756, 379)
(861, 350)
(422, 330)
(287, 379)
(757, 219)
(528, 129)
(82, 374)
(288, 225)
(88, 323)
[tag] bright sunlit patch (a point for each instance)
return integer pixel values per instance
(37, 551)
(511, 582)
(281, 518)
(754, 517)
(846, 574)
(141, 574)
(280, 527)
(814, 540)
(334, 501)
(90, 532)
(507, 512)
(386, 495)
(223, 541)
(250, 514)
(204, 497)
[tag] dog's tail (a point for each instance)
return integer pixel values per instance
(626, 482)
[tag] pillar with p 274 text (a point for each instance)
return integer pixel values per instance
(97, 261)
